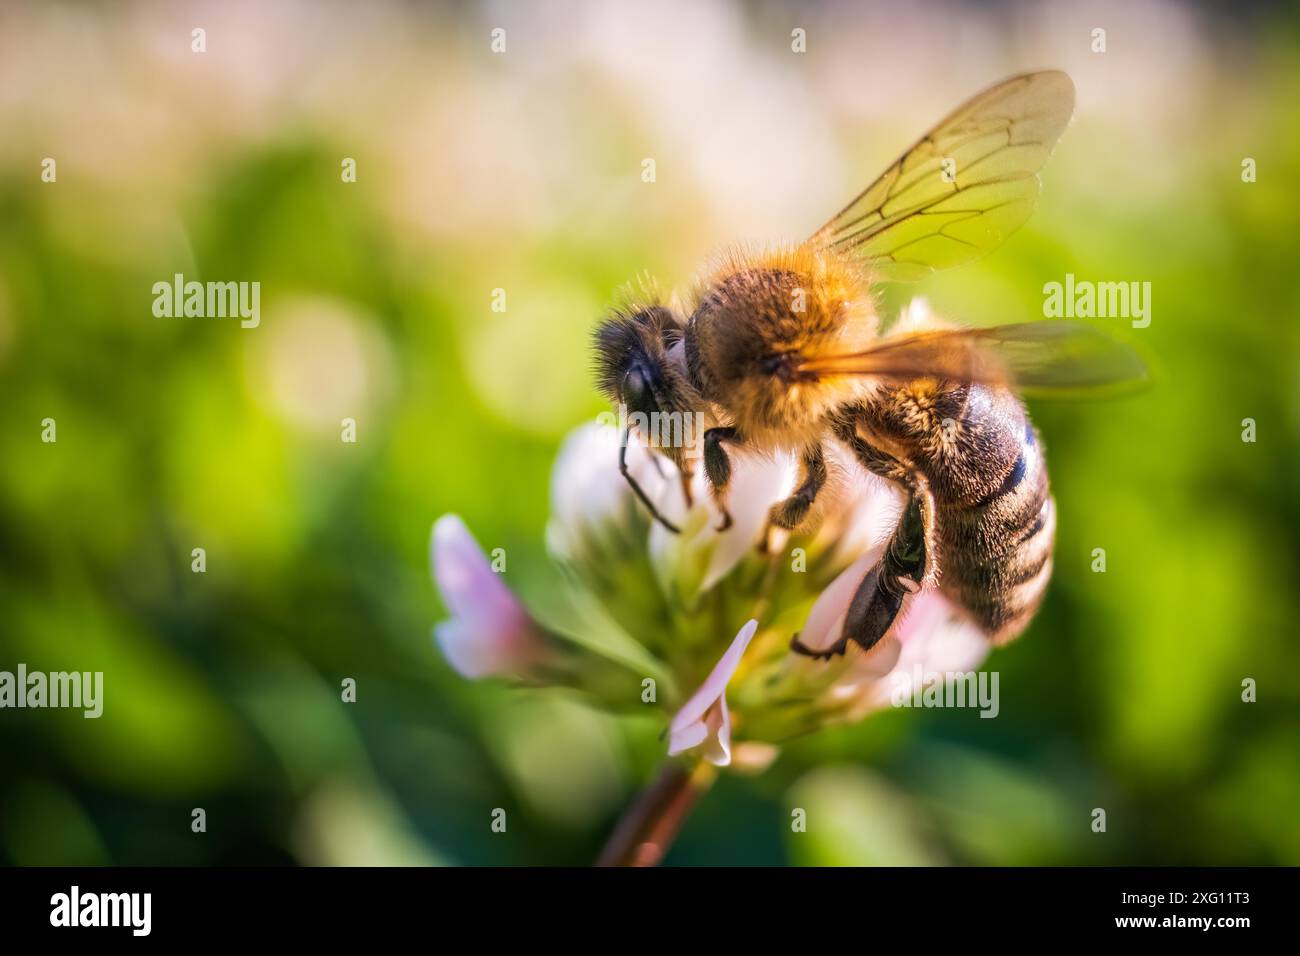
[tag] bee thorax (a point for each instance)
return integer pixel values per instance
(757, 321)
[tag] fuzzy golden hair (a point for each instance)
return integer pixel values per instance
(757, 315)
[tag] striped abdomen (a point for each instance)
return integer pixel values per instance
(994, 518)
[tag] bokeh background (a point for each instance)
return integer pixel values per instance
(522, 171)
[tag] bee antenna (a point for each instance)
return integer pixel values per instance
(640, 493)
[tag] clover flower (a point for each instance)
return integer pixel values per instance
(703, 617)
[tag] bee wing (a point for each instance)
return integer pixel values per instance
(1050, 358)
(964, 187)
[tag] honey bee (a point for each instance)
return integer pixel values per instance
(783, 351)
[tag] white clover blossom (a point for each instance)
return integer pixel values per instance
(677, 604)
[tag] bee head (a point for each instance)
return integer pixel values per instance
(641, 367)
(632, 358)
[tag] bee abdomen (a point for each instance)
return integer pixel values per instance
(997, 550)
(1002, 592)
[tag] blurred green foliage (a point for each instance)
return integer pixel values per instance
(222, 689)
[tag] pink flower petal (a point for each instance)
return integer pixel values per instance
(717, 746)
(825, 621)
(468, 656)
(937, 634)
(490, 631)
(704, 718)
(935, 637)
(465, 578)
(757, 483)
(692, 735)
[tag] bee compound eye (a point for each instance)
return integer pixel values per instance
(636, 391)
(779, 365)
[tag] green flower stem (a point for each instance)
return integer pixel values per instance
(649, 826)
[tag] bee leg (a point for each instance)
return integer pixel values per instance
(717, 467)
(891, 469)
(791, 512)
(872, 458)
(640, 493)
(900, 572)
(879, 597)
